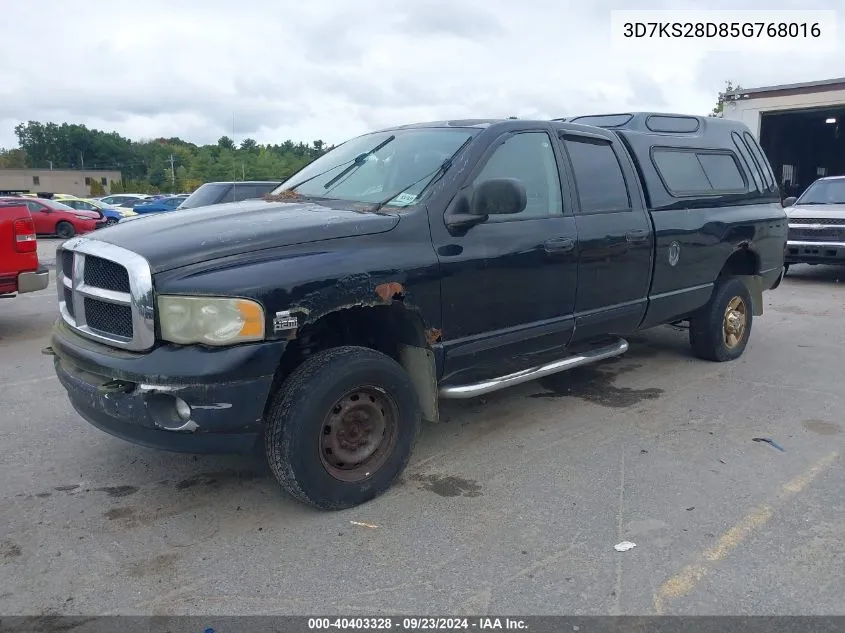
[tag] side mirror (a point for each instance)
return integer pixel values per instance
(788, 202)
(499, 196)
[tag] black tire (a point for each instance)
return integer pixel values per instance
(304, 416)
(111, 221)
(785, 269)
(709, 330)
(65, 230)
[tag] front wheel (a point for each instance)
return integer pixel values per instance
(111, 221)
(721, 331)
(342, 427)
(65, 230)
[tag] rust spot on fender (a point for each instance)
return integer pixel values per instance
(433, 335)
(388, 291)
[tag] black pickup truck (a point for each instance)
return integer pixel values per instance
(322, 323)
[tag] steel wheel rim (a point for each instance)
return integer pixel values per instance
(734, 322)
(358, 434)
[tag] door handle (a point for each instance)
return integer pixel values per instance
(559, 245)
(637, 235)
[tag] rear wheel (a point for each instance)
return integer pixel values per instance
(65, 230)
(721, 331)
(342, 427)
(111, 221)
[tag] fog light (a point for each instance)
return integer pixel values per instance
(183, 409)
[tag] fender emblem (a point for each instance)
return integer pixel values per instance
(674, 253)
(284, 320)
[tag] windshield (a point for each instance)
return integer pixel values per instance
(209, 193)
(402, 165)
(824, 192)
(58, 206)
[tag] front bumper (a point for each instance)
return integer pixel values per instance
(32, 281)
(133, 396)
(814, 252)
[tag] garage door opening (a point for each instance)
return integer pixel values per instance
(804, 145)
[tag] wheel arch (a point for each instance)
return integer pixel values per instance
(391, 327)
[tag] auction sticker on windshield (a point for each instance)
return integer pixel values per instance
(404, 199)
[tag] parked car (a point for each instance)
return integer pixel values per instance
(120, 199)
(218, 192)
(817, 223)
(110, 214)
(55, 218)
(159, 206)
(443, 260)
(63, 196)
(20, 270)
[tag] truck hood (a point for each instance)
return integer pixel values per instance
(820, 211)
(188, 236)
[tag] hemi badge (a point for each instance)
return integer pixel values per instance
(285, 321)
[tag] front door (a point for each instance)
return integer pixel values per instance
(508, 284)
(615, 238)
(44, 224)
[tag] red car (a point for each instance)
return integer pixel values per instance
(19, 268)
(54, 218)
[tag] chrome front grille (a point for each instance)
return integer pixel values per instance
(106, 293)
(816, 232)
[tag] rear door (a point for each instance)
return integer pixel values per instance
(615, 237)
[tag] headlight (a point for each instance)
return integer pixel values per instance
(82, 217)
(210, 320)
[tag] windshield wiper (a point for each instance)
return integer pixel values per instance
(330, 169)
(434, 176)
(359, 160)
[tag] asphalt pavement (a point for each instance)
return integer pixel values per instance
(512, 505)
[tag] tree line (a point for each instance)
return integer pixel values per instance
(165, 165)
(161, 165)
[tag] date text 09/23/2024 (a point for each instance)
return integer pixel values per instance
(413, 623)
(417, 623)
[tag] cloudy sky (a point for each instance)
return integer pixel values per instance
(329, 69)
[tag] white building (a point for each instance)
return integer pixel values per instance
(798, 126)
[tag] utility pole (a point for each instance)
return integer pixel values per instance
(243, 172)
(172, 169)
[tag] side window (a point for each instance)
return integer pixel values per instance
(229, 195)
(34, 206)
(598, 176)
(530, 158)
(722, 172)
(694, 172)
(250, 191)
(748, 160)
(768, 174)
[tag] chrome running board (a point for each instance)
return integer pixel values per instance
(526, 375)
